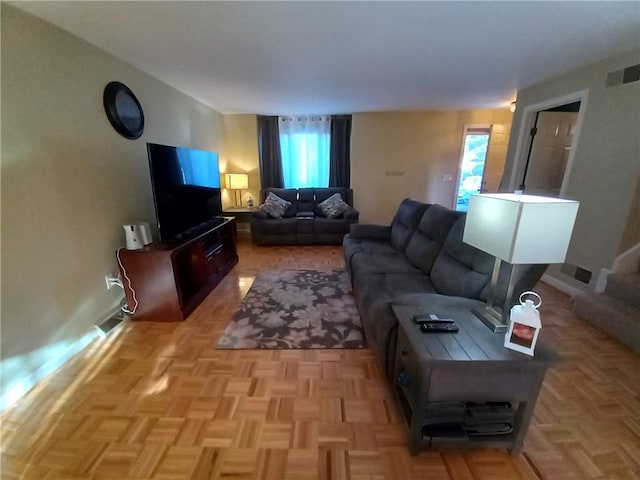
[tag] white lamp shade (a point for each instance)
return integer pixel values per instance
(520, 228)
(237, 181)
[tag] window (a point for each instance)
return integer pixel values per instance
(305, 145)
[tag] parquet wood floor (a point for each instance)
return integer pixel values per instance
(157, 401)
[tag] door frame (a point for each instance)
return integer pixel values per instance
(465, 130)
(523, 142)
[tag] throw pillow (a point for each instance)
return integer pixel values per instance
(333, 206)
(274, 205)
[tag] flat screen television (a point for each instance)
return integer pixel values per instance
(186, 190)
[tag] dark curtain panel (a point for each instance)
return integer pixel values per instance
(269, 152)
(340, 157)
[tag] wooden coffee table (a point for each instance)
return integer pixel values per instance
(469, 367)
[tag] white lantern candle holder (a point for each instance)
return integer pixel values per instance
(524, 325)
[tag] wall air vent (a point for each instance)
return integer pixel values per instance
(626, 75)
(579, 273)
(110, 323)
(582, 275)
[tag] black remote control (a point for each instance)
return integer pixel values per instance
(430, 318)
(439, 327)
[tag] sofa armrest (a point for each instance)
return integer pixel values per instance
(374, 232)
(351, 214)
(259, 213)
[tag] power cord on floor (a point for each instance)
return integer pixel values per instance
(125, 307)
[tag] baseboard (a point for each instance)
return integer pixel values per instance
(21, 386)
(560, 285)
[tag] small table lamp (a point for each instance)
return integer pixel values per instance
(517, 229)
(237, 182)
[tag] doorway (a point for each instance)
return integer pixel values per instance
(474, 154)
(482, 159)
(518, 178)
(549, 150)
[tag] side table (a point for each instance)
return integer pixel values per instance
(438, 376)
(242, 216)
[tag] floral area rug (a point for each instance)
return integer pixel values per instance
(296, 309)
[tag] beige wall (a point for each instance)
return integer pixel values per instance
(241, 154)
(396, 155)
(423, 146)
(606, 165)
(69, 183)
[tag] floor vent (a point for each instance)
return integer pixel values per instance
(110, 323)
(626, 75)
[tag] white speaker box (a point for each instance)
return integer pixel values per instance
(137, 235)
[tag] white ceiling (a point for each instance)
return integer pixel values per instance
(343, 57)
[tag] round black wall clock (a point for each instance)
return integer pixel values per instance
(123, 110)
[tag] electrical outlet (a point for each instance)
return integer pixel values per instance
(111, 280)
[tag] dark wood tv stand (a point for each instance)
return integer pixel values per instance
(165, 282)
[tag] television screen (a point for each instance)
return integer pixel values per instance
(186, 188)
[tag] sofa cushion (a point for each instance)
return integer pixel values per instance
(436, 301)
(398, 284)
(370, 245)
(353, 245)
(323, 193)
(370, 232)
(288, 194)
(333, 206)
(430, 235)
(275, 206)
(284, 226)
(330, 225)
(405, 222)
(368, 263)
(460, 269)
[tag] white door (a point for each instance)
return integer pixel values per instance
(496, 157)
(550, 152)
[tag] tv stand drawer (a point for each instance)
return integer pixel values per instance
(214, 260)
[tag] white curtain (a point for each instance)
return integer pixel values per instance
(305, 143)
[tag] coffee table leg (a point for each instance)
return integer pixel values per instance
(524, 413)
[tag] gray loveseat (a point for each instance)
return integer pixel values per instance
(420, 259)
(303, 223)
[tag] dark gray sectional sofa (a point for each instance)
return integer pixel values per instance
(303, 222)
(420, 259)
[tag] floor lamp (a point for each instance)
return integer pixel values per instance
(517, 229)
(237, 182)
